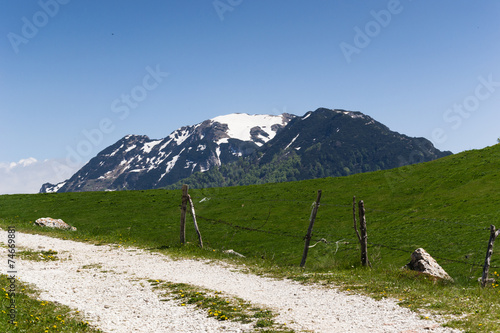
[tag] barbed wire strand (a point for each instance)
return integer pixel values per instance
(322, 239)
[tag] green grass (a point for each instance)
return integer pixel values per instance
(36, 316)
(444, 206)
(29, 254)
(220, 306)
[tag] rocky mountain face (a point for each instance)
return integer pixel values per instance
(137, 162)
(345, 142)
(240, 149)
(319, 144)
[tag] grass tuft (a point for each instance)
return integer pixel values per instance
(36, 316)
(219, 306)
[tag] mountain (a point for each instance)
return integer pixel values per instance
(137, 162)
(320, 144)
(241, 149)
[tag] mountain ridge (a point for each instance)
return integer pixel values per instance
(255, 148)
(321, 143)
(138, 162)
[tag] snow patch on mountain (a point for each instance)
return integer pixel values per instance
(56, 187)
(148, 146)
(180, 135)
(241, 124)
(293, 140)
(307, 115)
(352, 114)
(171, 163)
(130, 148)
(138, 159)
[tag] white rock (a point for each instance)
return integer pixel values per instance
(53, 223)
(421, 261)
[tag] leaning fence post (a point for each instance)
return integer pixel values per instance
(493, 235)
(183, 213)
(309, 230)
(194, 220)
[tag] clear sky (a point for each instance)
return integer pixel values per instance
(76, 76)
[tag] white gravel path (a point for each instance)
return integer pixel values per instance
(116, 297)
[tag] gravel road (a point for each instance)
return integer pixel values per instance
(113, 293)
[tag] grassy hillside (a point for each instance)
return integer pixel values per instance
(444, 206)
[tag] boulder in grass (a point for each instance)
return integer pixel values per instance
(234, 253)
(421, 261)
(53, 223)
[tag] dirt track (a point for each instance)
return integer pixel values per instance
(109, 286)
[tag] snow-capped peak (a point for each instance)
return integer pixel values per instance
(241, 126)
(186, 150)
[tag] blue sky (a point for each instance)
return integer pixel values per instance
(76, 76)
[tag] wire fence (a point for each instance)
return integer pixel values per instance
(348, 243)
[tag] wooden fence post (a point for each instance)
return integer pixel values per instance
(194, 220)
(364, 235)
(309, 230)
(493, 235)
(183, 212)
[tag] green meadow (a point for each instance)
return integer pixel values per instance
(445, 206)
